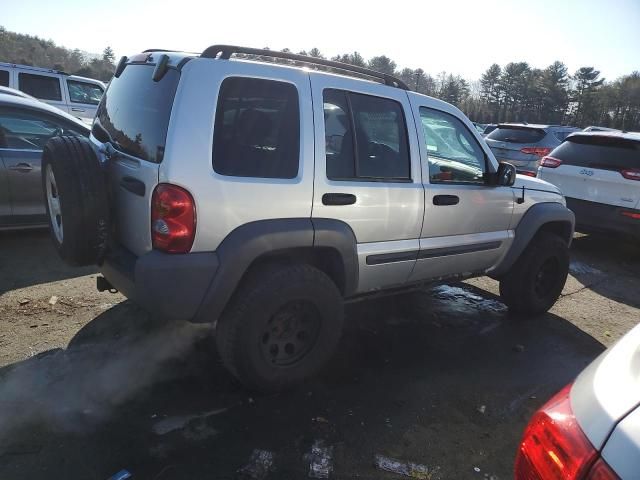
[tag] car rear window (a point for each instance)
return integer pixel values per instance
(599, 152)
(134, 112)
(517, 135)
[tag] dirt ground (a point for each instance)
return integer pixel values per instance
(91, 385)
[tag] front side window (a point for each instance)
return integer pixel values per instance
(83, 92)
(40, 86)
(257, 129)
(454, 155)
(365, 137)
(4, 78)
(20, 130)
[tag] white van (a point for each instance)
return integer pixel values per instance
(78, 96)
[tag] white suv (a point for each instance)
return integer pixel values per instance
(259, 196)
(599, 173)
(78, 96)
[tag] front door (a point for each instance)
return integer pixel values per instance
(84, 98)
(367, 174)
(466, 228)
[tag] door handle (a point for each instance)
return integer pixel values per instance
(21, 167)
(73, 109)
(338, 199)
(446, 200)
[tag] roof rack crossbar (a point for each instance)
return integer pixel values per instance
(225, 51)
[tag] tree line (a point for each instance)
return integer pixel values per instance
(515, 92)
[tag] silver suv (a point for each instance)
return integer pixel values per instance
(259, 196)
(524, 145)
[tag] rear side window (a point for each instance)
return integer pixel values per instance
(28, 130)
(365, 137)
(4, 78)
(517, 135)
(134, 112)
(257, 129)
(83, 92)
(599, 152)
(40, 86)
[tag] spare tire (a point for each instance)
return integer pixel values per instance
(76, 200)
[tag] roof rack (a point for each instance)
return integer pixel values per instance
(225, 51)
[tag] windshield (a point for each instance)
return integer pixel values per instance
(134, 112)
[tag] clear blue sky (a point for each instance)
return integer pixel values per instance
(462, 37)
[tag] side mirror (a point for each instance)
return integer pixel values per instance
(506, 175)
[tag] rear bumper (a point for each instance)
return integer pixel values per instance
(168, 285)
(599, 217)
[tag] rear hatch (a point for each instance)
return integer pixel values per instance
(132, 123)
(510, 143)
(597, 168)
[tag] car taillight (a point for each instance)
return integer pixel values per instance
(634, 215)
(550, 162)
(527, 173)
(631, 174)
(173, 219)
(601, 471)
(539, 151)
(553, 445)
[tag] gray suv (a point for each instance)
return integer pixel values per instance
(260, 196)
(524, 145)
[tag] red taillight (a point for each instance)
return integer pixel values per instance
(527, 173)
(634, 215)
(631, 174)
(550, 162)
(539, 151)
(554, 446)
(173, 219)
(601, 471)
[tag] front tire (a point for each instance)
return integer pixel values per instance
(282, 326)
(536, 280)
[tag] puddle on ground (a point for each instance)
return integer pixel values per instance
(466, 299)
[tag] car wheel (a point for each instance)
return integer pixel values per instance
(282, 325)
(75, 200)
(536, 280)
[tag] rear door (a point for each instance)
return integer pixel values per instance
(25, 133)
(597, 168)
(43, 86)
(5, 199)
(84, 98)
(367, 173)
(131, 128)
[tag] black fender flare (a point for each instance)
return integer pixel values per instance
(532, 221)
(252, 240)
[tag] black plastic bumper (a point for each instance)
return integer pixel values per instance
(599, 217)
(168, 285)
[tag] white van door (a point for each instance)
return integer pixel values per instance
(84, 97)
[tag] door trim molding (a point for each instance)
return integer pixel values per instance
(381, 258)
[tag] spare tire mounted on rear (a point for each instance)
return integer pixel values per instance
(76, 200)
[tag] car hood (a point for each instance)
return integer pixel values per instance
(531, 183)
(608, 389)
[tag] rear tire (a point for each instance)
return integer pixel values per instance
(282, 325)
(536, 280)
(75, 199)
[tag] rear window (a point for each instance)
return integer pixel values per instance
(40, 86)
(257, 129)
(134, 112)
(599, 152)
(4, 78)
(517, 135)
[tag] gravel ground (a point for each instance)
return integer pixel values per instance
(90, 384)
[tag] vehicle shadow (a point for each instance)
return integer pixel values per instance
(609, 265)
(450, 383)
(27, 257)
